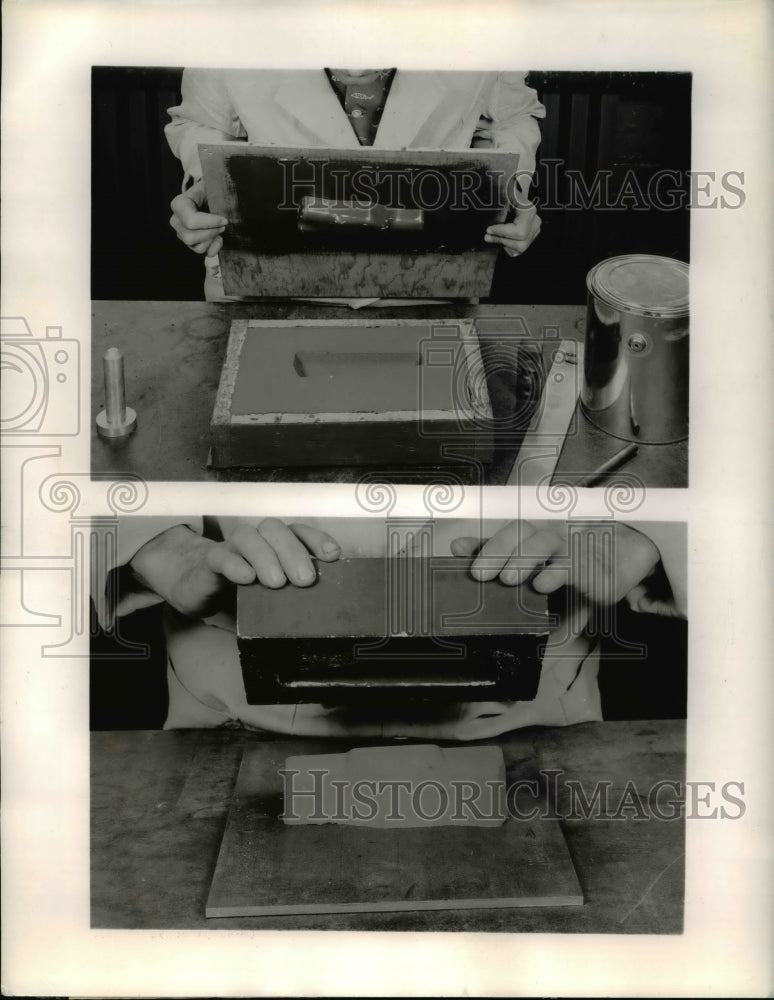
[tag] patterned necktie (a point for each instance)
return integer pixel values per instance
(363, 99)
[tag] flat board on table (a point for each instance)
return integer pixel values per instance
(266, 252)
(268, 867)
(351, 392)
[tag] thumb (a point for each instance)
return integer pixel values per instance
(638, 599)
(188, 211)
(526, 218)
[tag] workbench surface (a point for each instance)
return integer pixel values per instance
(174, 352)
(159, 802)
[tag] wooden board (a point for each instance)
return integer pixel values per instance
(267, 867)
(259, 190)
(351, 392)
(373, 631)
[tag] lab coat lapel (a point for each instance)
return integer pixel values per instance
(308, 97)
(413, 97)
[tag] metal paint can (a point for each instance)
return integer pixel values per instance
(635, 368)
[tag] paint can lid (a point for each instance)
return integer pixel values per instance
(641, 284)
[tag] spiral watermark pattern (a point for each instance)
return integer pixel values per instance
(375, 496)
(128, 495)
(444, 497)
(59, 495)
(625, 495)
(557, 498)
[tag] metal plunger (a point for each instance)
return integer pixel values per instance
(117, 419)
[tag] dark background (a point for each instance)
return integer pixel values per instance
(132, 694)
(594, 121)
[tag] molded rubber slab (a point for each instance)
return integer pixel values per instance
(397, 787)
(341, 370)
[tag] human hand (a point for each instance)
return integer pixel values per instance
(199, 230)
(516, 236)
(195, 574)
(603, 562)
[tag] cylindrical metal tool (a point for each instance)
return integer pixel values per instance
(611, 465)
(117, 419)
(635, 371)
(323, 213)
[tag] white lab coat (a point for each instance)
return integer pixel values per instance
(424, 110)
(205, 680)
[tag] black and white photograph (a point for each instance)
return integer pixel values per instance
(417, 274)
(499, 707)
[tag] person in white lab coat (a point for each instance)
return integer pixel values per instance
(344, 109)
(167, 560)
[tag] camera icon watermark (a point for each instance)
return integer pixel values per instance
(40, 381)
